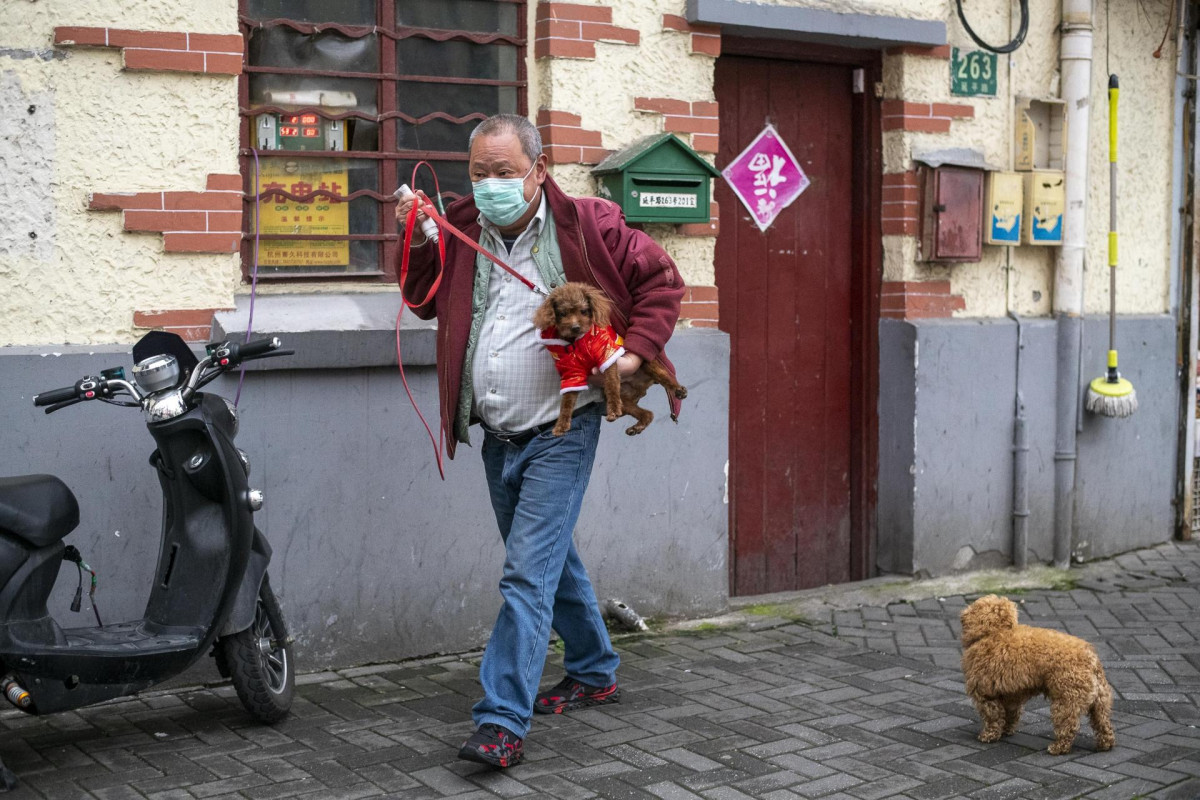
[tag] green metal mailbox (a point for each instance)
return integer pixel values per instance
(658, 178)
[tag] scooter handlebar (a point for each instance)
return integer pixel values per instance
(56, 396)
(258, 348)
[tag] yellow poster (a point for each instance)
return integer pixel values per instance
(320, 216)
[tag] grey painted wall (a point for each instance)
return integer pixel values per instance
(375, 557)
(946, 424)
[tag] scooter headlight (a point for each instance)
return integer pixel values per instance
(156, 373)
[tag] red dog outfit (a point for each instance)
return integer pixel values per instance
(599, 347)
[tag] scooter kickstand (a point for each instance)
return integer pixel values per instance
(8, 780)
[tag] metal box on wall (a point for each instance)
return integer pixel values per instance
(1004, 208)
(1045, 201)
(951, 214)
(657, 178)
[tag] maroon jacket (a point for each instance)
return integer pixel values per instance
(597, 248)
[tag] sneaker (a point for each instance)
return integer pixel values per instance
(570, 694)
(494, 745)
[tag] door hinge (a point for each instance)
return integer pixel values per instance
(859, 81)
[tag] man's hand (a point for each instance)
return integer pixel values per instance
(403, 206)
(626, 366)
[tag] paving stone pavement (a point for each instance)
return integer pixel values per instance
(860, 705)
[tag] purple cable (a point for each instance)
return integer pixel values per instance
(253, 271)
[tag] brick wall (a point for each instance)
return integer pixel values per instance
(706, 39)
(680, 116)
(571, 30)
(901, 204)
(922, 117)
(700, 306)
(565, 140)
(162, 51)
(190, 222)
(192, 324)
(918, 300)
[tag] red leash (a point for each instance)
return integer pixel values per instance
(409, 224)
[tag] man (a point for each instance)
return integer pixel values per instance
(493, 369)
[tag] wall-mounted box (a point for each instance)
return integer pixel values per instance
(1004, 208)
(1045, 201)
(1040, 131)
(951, 213)
(658, 178)
(305, 129)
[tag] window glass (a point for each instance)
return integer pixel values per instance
(420, 99)
(455, 59)
(330, 51)
(459, 15)
(343, 12)
(295, 84)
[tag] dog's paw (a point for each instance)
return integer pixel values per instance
(681, 392)
(614, 413)
(634, 430)
(989, 736)
(560, 429)
(1105, 742)
(1059, 748)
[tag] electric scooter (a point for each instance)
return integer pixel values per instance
(210, 592)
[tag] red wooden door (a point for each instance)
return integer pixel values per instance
(789, 298)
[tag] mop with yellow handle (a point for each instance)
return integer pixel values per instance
(1112, 395)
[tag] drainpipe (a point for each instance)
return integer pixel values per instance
(1076, 57)
(1020, 509)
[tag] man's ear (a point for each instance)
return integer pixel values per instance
(541, 168)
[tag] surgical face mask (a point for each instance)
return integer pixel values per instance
(502, 200)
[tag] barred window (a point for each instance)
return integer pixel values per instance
(340, 100)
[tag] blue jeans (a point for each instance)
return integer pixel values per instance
(536, 490)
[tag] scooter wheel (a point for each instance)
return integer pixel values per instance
(260, 661)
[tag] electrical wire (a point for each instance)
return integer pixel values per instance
(254, 269)
(1017, 41)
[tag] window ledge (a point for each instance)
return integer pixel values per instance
(332, 331)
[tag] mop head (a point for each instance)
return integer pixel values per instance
(1111, 398)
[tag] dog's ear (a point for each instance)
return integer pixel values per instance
(601, 306)
(545, 317)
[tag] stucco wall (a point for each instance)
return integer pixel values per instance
(602, 92)
(1025, 274)
(72, 122)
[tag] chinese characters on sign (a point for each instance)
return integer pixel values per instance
(766, 177)
(972, 73)
(319, 216)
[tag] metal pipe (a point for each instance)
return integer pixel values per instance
(1020, 507)
(1076, 58)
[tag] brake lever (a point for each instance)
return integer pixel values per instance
(272, 354)
(63, 404)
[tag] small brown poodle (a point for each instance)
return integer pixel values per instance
(1005, 664)
(574, 321)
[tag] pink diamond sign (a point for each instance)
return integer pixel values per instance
(766, 177)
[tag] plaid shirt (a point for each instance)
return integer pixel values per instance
(516, 386)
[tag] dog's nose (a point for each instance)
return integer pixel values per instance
(575, 329)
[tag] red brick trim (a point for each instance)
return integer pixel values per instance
(679, 116)
(191, 222)
(194, 325)
(571, 30)
(700, 306)
(942, 52)
(901, 204)
(918, 300)
(710, 228)
(162, 51)
(925, 117)
(566, 140)
(706, 39)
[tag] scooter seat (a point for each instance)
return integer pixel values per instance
(39, 509)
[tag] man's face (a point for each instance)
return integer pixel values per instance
(500, 156)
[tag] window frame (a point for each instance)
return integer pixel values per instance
(387, 82)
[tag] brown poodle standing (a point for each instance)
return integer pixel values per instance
(1005, 664)
(574, 321)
